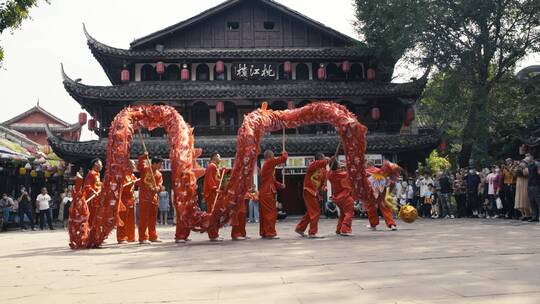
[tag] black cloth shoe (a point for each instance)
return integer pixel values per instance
(532, 220)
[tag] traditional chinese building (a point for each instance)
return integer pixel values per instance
(223, 63)
(32, 124)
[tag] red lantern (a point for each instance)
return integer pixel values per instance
(346, 66)
(290, 105)
(371, 74)
(220, 67)
(124, 75)
(160, 68)
(92, 124)
(321, 73)
(82, 118)
(442, 146)
(375, 114)
(184, 74)
(220, 107)
(287, 67)
(409, 116)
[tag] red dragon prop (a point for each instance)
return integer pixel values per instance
(182, 154)
(259, 122)
(125, 124)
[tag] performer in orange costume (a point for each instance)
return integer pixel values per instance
(379, 179)
(148, 200)
(212, 178)
(183, 232)
(92, 187)
(238, 232)
(341, 195)
(126, 232)
(267, 194)
(314, 181)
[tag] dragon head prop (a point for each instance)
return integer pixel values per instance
(390, 170)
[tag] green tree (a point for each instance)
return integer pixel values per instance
(511, 110)
(481, 40)
(12, 14)
(390, 28)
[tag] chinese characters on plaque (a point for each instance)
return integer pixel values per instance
(254, 71)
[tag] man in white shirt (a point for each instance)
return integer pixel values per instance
(42, 201)
(494, 184)
(422, 183)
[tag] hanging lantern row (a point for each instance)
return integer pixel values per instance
(34, 173)
(220, 107)
(220, 69)
(48, 170)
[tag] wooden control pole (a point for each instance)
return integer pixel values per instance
(283, 151)
(148, 159)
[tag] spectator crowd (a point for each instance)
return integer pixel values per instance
(509, 190)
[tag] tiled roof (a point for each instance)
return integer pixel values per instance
(178, 90)
(78, 152)
(228, 4)
(35, 109)
(40, 127)
(101, 50)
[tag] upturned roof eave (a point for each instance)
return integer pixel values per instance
(171, 91)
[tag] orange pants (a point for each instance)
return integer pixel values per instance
(213, 232)
(126, 232)
(182, 232)
(239, 225)
(313, 212)
(385, 210)
(268, 214)
(93, 211)
(346, 210)
(147, 221)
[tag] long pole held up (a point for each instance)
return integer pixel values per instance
(337, 149)
(219, 187)
(148, 159)
(283, 151)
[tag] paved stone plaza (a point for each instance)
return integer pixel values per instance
(430, 261)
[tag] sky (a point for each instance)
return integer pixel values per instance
(54, 35)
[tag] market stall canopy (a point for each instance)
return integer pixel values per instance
(13, 151)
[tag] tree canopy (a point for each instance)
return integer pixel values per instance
(12, 14)
(472, 46)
